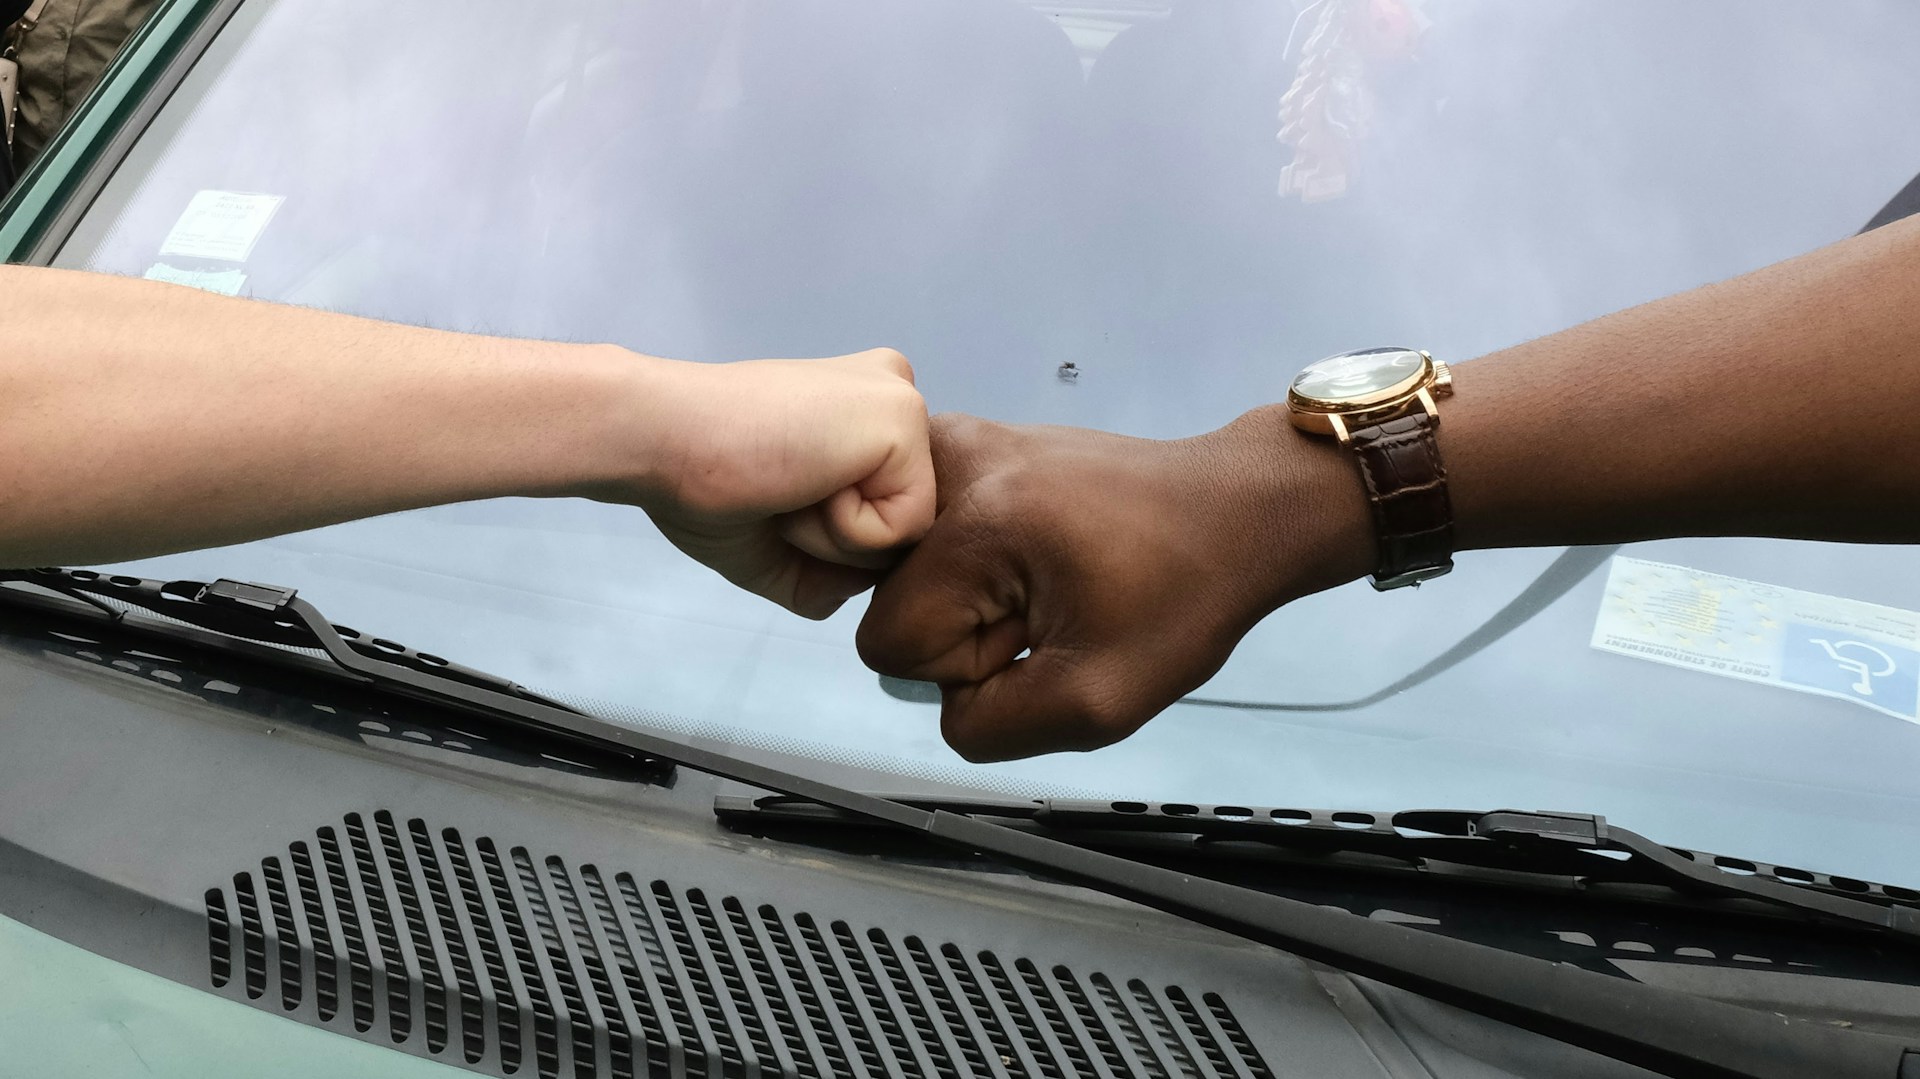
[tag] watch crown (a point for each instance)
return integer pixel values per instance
(1442, 379)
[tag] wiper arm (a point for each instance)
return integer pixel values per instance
(275, 615)
(1660, 1029)
(255, 612)
(1514, 841)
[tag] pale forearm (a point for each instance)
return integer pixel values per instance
(1782, 403)
(138, 418)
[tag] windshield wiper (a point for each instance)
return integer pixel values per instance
(1582, 847)
(1664, 1030)
(275, 615)
(254, 611)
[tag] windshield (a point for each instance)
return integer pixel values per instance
(1111, 215)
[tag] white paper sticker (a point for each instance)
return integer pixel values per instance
(1861, 652)
(224, 282)
(221, 225)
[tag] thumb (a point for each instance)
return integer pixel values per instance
(1049, 701)
(819, 531)
(821, 587)
(866, 524)
(893, 506)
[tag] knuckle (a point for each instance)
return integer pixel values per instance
(958, 427)
(911, 404)
(894, 360)
(1003, 493)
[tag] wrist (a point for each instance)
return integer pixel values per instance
(1297, 517)
(608, 419)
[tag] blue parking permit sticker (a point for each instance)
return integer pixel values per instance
(1877, 673)
(1836, 647)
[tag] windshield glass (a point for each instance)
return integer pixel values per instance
(1111, 215)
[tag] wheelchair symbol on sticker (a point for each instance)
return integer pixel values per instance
(1859, 659)
(1875, 672)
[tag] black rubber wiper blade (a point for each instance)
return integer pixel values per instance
(1663, 1030)
(1580, 846)
(254, 612)
(276, 615)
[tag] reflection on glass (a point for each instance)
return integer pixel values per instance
(1357, 374)
(1006, 191)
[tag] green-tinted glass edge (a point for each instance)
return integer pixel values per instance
(56, 176)
(65, 1011)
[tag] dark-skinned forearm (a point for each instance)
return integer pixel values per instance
(1782, 403)
(1077, 583)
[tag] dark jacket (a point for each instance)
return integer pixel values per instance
(62, 57)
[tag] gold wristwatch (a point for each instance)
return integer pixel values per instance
(1379, 403)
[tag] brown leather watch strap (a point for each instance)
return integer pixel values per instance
(1407, 488)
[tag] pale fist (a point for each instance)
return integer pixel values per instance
(798, 480)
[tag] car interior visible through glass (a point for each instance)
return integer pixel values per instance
(1013, 193)
(603, 814)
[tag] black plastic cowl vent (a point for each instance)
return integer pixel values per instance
(517, 965)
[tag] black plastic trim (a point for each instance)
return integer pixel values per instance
(1666, 1031)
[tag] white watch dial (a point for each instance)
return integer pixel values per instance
(1352, 375)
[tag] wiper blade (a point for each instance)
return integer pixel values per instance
(257, 612)
(276, 615)
(1664, 1030)
(1582, 846)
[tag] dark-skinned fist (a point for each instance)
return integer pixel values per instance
(1076, 583)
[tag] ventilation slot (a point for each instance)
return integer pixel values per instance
(665, 974)
(380, 912)
(219, 938)
(487, 942)
(1096, 1030)
(779, 997)
(326, 984)
(525, 966)
(546, 1035)
(359, 960)
(1045, 1055)
(700, 985)
(822, 1036)
(1236, 1036)
(639, 996)
(1072, 1042)
(434, 875)
(999, 1031)
(1163, 1029)
(1215, 1053)
(286, 937)
(612, 1014)
(741, 1001)
(886, 1014)
(1130, 1028)
(914, 1002)
(434, 1007)
(565, 972)
(253, 940)
(831, 969)
(937, 984)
